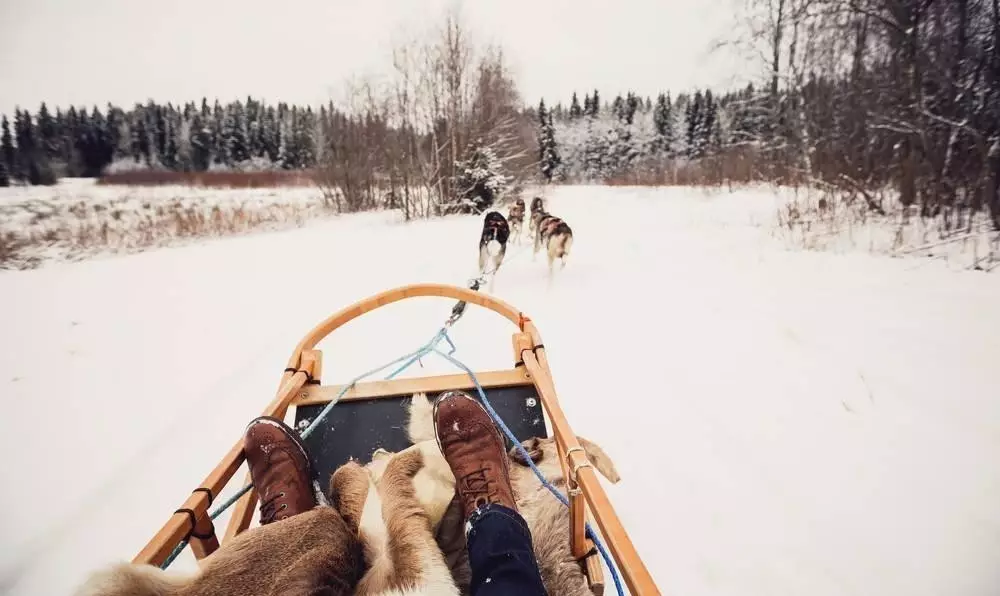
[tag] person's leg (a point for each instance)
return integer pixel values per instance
(500, 553)
(501, 557)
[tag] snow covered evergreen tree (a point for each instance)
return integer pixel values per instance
(220, 149)
(159, 122)
(480, 180)
(290, 128)
(69, 125)
(140, 138)
(548, 154)
(284, 137)
(7, 152)
(25, 135)
(707, 124)
(182, 137)
(170, 150)
(663, 121)
(618, 107)
(270, 136)
(596, 149)
(595, 105)
(305, 141)
(119, 133)
(693, 119)
(574, 108)
(93, 145)
(234, 135)
(48, 135)
(33, 164)
(253, 115)
(202, 144)
(321, 131)
(631, 105)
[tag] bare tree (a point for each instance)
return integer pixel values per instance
(406, 140)
(867, 93)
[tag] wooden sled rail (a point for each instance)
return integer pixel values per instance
(584, 487)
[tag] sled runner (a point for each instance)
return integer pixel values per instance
(356, 419)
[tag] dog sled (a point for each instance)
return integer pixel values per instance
(353, 420)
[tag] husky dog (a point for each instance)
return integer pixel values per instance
(493, 241)
(555, 235)
(537, 206)
(515, 215)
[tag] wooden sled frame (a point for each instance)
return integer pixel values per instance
(192, 520)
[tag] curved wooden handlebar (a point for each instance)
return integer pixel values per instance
(346, 315)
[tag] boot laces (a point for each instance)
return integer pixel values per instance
(478, 486)
(269, 508)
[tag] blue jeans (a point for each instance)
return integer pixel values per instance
(500, 554)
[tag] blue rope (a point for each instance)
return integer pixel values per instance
(524, 453)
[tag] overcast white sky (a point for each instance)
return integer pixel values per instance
(88, 52)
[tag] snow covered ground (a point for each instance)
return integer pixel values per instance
(785, 422)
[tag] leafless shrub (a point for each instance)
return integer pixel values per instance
(119, 230)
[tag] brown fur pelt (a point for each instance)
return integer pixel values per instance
(401, 554)
(548, 518)
(450, 537)
(311, 554)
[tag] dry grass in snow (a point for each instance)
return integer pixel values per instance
(78, 219)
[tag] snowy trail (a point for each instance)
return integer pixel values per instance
(783, 422)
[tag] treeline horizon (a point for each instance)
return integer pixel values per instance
(860, 98)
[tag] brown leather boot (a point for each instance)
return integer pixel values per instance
(474, 450)
(280, 469)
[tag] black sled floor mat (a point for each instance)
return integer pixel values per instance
(355, 429)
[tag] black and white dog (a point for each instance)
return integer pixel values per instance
(493, 242)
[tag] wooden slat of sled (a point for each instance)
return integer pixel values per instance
(158, 549)
(202, 547)
(321, 394)
(312, 362)
(592, 565)
(595, 574)
(634, 571)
